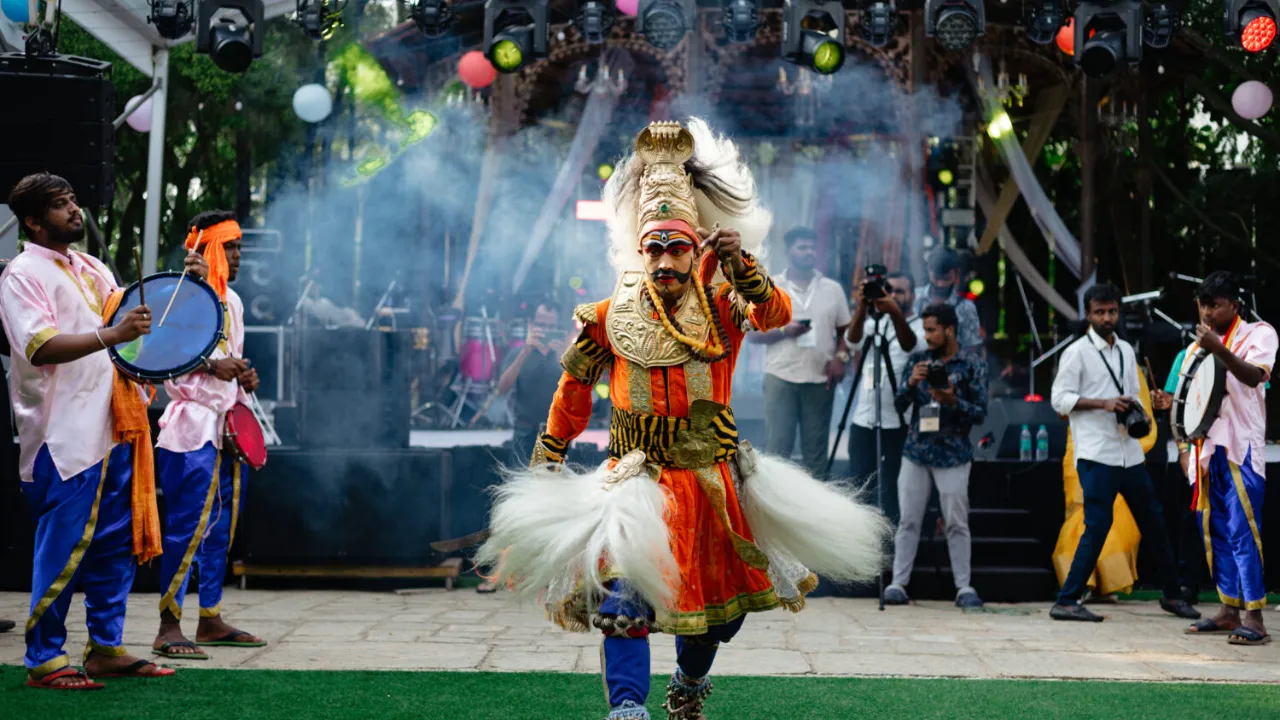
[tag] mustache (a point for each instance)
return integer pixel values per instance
(677, 275)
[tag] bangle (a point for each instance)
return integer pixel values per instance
(98, 333)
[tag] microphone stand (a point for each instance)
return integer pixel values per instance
(1253, 307)
(381, 302)
(302, 296)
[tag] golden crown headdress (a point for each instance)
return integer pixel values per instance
(666, 190)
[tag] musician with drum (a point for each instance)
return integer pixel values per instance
(1219, 420)
(202, 475)
(85, 459)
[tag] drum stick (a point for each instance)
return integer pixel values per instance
(178, 287)
(137, 260)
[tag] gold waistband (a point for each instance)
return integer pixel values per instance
(706, 438)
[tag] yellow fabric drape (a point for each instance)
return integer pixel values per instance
(129, 412)
(1117, 568)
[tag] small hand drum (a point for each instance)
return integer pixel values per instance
(244, 438)
(1198, 399)
(190, 333)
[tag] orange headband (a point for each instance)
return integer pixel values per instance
(213, 238)
(669, 225)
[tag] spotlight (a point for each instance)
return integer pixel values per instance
(230, 32)
(1252, 22)
(434, 18)
(879, 23)
(1107, 36)
(515, 32)
(1159, 25)
(172, 18)
(664, 22)
(954, 22)
(813, 34)
(594, 20)
(319, 19)
(1044, 19)
(741, 20)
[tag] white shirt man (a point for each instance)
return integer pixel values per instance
(1108, 459)
(805, 360)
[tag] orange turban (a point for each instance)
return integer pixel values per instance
(213, 238)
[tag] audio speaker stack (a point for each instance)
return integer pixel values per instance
(58, 119)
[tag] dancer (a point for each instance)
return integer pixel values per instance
(1228, 467)
(85, 456)
(204, 487)
(684, 529)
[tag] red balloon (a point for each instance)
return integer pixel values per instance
(1067, 37)
(476, 71)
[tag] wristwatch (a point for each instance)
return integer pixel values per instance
(843, 356)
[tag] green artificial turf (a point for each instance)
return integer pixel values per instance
(351, 695)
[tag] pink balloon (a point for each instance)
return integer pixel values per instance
(140, 119)
(629, 7)
(1251, 100)
(476, 71)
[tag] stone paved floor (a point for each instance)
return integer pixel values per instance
(460, 630)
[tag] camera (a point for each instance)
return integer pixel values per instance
(937, 376)
(877, 283)
(1135, 421)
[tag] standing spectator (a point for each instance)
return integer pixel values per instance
(944, 288)
(806, 359)
(945, 387)
(1097, 386)
(890, 320)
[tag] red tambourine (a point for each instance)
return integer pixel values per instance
(243, 435)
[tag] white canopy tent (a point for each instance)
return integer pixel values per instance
(122, 26)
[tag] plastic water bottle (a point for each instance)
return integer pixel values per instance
(1042, 444)
(1024, 444)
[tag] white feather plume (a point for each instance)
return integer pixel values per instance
(551, 530)
(822, 525)
(716, 152)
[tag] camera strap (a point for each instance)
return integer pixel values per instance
(1120, 352)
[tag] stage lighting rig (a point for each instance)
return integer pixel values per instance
(230, 32)
(434, 18)
(1252, 22)
(1044, 19)
(741, 20)
(664, 22)
(956, 23)
(319, 19)
(594, 19)
(173, 19)
(879, 22)
(1108, 35)
(813, 34)
(1158, 26)
(515, 32)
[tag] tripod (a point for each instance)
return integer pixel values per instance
(875, 344)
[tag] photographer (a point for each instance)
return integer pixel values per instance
(946, 390)
(1097, 386)
(532, 377)
(886, 314)
(944, 288)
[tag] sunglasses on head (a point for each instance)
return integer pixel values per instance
(675, 244)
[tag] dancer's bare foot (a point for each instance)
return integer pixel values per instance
(170, 641)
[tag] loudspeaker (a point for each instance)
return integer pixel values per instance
(59, 121)
(355, 388)
(348, 508)
(1005, 418)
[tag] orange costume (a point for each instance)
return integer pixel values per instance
(684, 529)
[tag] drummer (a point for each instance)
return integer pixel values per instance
(1229, 465)
(73, 410)
(204, 487)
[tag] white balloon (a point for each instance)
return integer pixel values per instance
(1251, 99)
(313, 102)
(139, 119)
